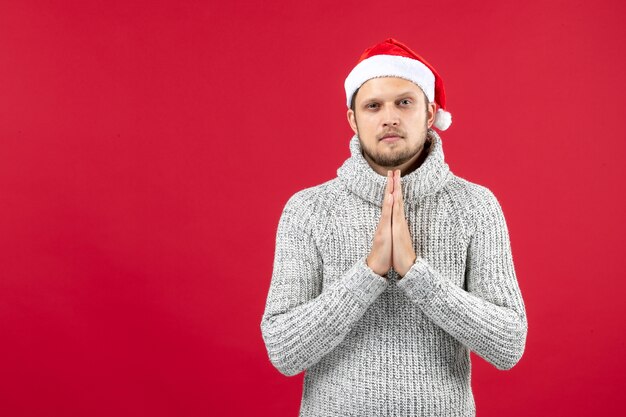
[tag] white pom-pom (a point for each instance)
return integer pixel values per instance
(443, 119)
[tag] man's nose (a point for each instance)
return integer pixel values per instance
(391, 117)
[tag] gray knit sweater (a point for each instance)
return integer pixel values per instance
(373, 346)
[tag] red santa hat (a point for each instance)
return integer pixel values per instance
(394, 59)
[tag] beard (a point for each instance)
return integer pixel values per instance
(396, 157)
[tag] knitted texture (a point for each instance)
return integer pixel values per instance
(392, 346)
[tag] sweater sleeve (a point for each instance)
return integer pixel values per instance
(489, 317)
(302, 321)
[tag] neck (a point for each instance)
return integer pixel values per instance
(429, 173)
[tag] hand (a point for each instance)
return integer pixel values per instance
(380, 257)
(403, 255)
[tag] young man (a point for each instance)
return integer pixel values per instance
(386, 277)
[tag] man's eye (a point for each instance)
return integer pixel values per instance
(372, 105)
(405, 101)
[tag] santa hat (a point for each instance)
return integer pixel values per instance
(394, 59)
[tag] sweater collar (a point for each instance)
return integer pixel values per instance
(362, 180)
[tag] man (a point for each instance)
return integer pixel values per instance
(386, 277)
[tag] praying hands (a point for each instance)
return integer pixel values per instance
(392, 245)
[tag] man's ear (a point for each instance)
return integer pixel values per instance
(352, 120)
(432, 110)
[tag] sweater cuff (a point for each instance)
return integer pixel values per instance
(363, 282)
(419, 283)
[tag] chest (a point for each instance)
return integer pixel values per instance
(436, 230)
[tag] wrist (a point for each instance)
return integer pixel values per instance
(374, 270)
(406, 268)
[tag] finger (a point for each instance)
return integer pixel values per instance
(398, 198)
(389, 184)
(401, 198)
(387, 208)
(387, 195)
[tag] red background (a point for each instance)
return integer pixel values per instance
(147, 149)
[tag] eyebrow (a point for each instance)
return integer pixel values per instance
(405, 93)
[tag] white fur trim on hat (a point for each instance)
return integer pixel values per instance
(391, 66)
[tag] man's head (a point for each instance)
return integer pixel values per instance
(391, 106)
(394, 90)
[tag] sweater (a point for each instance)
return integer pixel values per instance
(392, 346)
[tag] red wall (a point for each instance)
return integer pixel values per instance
(147, 149)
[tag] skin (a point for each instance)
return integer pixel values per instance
(392, 105)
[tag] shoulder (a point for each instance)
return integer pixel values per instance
(313, 198)
(476, 203)
(469, 192)
(308, 207)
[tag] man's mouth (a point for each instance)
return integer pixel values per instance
(391, 137)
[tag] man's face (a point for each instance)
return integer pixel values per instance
(391, 106)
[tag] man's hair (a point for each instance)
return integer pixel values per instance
(353, 100)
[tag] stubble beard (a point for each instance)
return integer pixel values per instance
(395, 158)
